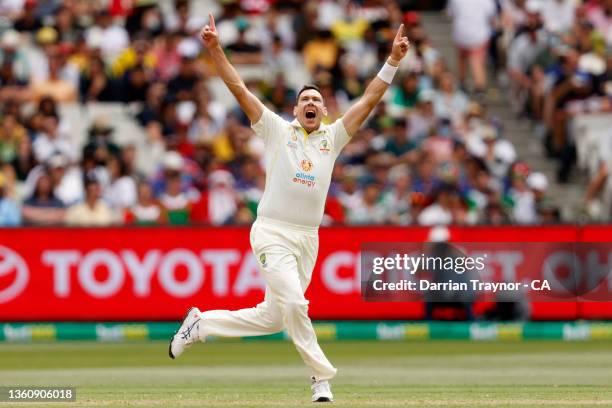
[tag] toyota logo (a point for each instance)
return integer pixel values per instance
(12, 263)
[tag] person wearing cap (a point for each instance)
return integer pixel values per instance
(284, 237)
(11, 56)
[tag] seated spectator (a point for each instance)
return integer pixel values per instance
(177, 203)
(120, 192)
(450, 103)
(406, 95)
(11, 135)
(94, 83)
(423, 119)
(371, 210)
(242, 51)
(398, 198)
(524, 50)
(398, 143)
(147, 210)
(23, 161)
(92, 211)
(50, 141)
(10, 214)
(521, 197)
(43, 208)
(100, 145)
(441, 211)
(219, 203)
(55, 86)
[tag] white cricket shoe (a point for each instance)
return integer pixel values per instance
(321, 391)
(187, 334)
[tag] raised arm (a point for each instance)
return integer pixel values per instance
(251, 106)
(357, 114)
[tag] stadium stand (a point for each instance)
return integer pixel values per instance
(113, 114)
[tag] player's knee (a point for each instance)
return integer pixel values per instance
(297, 307)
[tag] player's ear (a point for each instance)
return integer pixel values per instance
(295, 111)
(324, 111)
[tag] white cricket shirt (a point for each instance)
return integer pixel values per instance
(298, 168)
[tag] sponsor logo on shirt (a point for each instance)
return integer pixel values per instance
(304, 179)
(306, 165)
(293, 142)
(324, 146)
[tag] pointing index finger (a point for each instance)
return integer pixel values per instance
(400, 32)
(211, 20)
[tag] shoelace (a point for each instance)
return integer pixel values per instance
(186, 334)
(320, 386)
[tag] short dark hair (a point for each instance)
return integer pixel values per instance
(306, 88)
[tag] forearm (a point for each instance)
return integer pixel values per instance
(251, 106)
(358, 113)
(226, 71)
(377, 87)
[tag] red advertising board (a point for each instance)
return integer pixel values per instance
(148, 274)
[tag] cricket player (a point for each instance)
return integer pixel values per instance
(300, 157)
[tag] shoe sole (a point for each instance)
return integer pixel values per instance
(176, 332)
(324, 399)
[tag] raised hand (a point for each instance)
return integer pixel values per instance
(400, 47)
(209, 35)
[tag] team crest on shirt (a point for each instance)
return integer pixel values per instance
(306, 165)
(293, 142)
(262, 260)
(324, 146)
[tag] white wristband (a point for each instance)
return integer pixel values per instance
(387, 72)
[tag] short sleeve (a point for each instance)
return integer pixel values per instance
(270, 126)
(340, 135)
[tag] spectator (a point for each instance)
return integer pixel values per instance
(558, 15)
(406, 95)
(23, 160)
(50, 141)
(120, 193)
(450, 103)
(441, 211)
(55, 86)
(371, 210)
(10, 214)
(43, 208)
(472, 21)
(176, 202)
(11, 135)
(522, 199)
(146, 210)
(92, 211)
(219, 203)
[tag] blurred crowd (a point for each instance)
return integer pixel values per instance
(430, 154)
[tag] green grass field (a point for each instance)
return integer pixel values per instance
(372, 374)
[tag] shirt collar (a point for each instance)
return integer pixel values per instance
(296, 124)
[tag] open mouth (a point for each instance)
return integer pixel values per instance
(311, 114)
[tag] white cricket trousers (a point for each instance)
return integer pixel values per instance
(286, 255)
